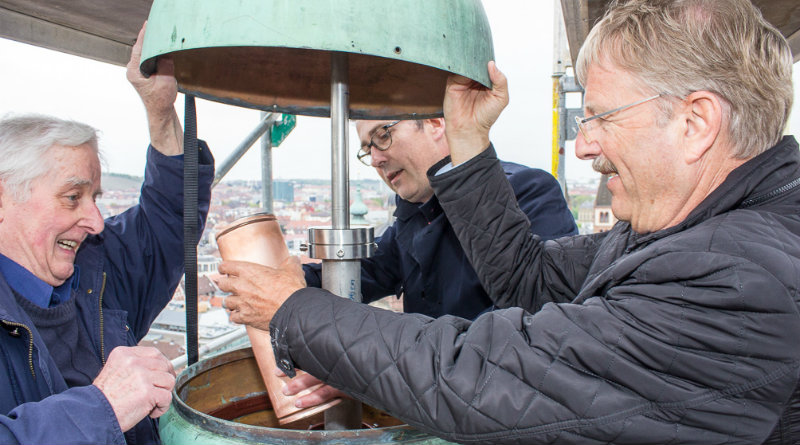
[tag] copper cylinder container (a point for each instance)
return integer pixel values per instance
(258, 239)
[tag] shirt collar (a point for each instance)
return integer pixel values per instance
(34, 289)
(405, 210)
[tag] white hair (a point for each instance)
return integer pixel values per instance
(25, 141)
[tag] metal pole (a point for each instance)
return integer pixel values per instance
(341, 277)
(266, 167)
(560, 54)
(238, 152)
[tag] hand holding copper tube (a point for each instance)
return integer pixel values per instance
(309, 389)
(258, 291)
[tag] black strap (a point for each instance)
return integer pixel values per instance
(190, 226)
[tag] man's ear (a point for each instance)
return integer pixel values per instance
(436, 126)
(703, 113)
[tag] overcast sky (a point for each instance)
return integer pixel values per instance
(39, 80)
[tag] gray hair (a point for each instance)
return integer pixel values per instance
(24, 144)
(676, 47)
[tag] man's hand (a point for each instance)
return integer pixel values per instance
(470, 110)
(316, 392)
(158, 93)
(137, 381)
(258, 291)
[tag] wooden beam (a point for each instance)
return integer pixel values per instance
(35, 31)
(576, 22)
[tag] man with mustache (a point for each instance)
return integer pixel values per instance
(679, 325)
(419, 256)
(78, 293)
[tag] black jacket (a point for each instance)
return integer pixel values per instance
(420, 257)
(685, 335)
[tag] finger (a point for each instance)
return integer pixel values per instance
(499, 80)
(163, 399)
(236, 317)
(162, 380)
(239, 268)
(137, 46)
(166, 66)
(231, 284)
(229, 267)
(300, 383)
(232, 302)
(457, 80)
(323, 394)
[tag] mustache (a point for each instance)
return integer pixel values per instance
(601, 164)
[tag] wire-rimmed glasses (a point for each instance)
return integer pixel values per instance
(381, 139)
(585, 125)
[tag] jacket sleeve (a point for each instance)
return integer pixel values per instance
(641, 364)
(380, 273)
(80, 415)
(540, 197)
(144, 245)
(495, 234)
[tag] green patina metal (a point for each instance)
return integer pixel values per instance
(204, 411)
(275, 54)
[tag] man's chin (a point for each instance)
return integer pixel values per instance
(60, 277)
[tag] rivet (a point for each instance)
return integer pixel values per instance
(88, 291)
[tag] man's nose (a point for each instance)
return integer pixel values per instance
(93, 220)
(585, 150)
(378, 157)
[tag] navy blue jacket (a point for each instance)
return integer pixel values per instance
(420, 257)
(128, 273)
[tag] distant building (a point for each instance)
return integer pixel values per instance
(283, 191)
(586, 218)
(207, 264)
(604, 219)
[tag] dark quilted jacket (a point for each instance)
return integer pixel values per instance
(686, 335)
(420, 249)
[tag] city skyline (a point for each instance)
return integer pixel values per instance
(97, 93)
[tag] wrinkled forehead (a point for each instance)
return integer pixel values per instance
(79, 165)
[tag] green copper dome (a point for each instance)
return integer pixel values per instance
(275, 55)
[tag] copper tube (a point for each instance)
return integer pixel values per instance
(258, 239)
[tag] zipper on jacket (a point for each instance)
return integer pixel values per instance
(780, 190)
(102, 337)
(30, 342)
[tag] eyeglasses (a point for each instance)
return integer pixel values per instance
(585, 125)
(381, 139)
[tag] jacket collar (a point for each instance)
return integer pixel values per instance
(768, 175)
(406, 210)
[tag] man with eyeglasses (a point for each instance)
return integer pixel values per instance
(419, 256)
(679, 325)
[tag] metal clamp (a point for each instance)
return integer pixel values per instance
(341, 244)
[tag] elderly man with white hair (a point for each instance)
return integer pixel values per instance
(77, 293)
